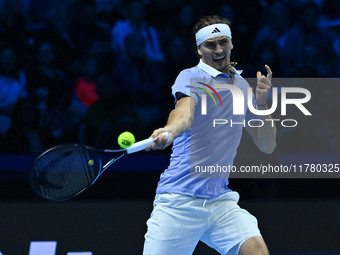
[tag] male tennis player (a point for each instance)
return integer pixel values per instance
(186, 208)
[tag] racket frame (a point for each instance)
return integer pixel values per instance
(138, 146)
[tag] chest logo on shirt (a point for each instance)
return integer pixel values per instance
(208, 92)
(238, 97)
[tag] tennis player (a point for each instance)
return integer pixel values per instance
(189, 207)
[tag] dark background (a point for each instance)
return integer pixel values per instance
(64, 78)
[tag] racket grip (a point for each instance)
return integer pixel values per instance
(141, 145)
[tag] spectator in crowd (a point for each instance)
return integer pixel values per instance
(135, 71)
(107, 13)
(36, 11)
(176, 57)
(278, 24)
(110, 115)
(62, 29)
(176, 38)
(182, 28)
(101, 50)
(88, 29)
(303, 43)
(11, 25)
(45, 73)
(141, 78)
(161, 16)
(99, 112)
(245, 24)
(97, 63)
(85, 85)
(109, 7)
(25, 135)
(266, 52)
(59, 117)
(12, 83)
(135, 22)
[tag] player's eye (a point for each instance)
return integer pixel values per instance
(224, 41)
(210, 45)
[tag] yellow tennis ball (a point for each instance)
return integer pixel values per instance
(91, 162)
(126, 139)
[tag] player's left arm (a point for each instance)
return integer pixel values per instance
(264, 136)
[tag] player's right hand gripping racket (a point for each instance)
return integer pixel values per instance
(65, 171)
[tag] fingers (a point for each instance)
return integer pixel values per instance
(258, 75)
(261, 77)
(161, 140)
(263, 86)
(264, 82)
(269, 71)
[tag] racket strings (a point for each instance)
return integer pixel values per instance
(65, 171)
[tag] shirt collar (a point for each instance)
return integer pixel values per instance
(212, 71)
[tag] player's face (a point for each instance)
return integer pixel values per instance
(216, 52)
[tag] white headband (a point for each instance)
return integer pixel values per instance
(211, 32)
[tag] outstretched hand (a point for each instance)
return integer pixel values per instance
(264, 84)
(161, 141)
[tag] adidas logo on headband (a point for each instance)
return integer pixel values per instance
(216, 30)
(212, 31)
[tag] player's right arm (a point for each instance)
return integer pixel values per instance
(179, 121)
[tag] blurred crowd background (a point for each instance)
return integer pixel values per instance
(85, 70)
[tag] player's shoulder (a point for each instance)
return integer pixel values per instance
(190, 72)
(182, 82)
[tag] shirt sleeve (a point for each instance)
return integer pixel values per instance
(182, 85)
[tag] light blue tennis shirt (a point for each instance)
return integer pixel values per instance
(201, 155)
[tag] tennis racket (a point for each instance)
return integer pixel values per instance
(65, 171)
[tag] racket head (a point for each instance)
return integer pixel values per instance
(65, 171)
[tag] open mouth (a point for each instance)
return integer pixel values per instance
(219, 59)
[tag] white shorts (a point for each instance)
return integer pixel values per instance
(178, 222)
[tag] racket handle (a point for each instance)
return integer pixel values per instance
(141, 145)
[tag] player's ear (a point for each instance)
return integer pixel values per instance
(199, 51)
